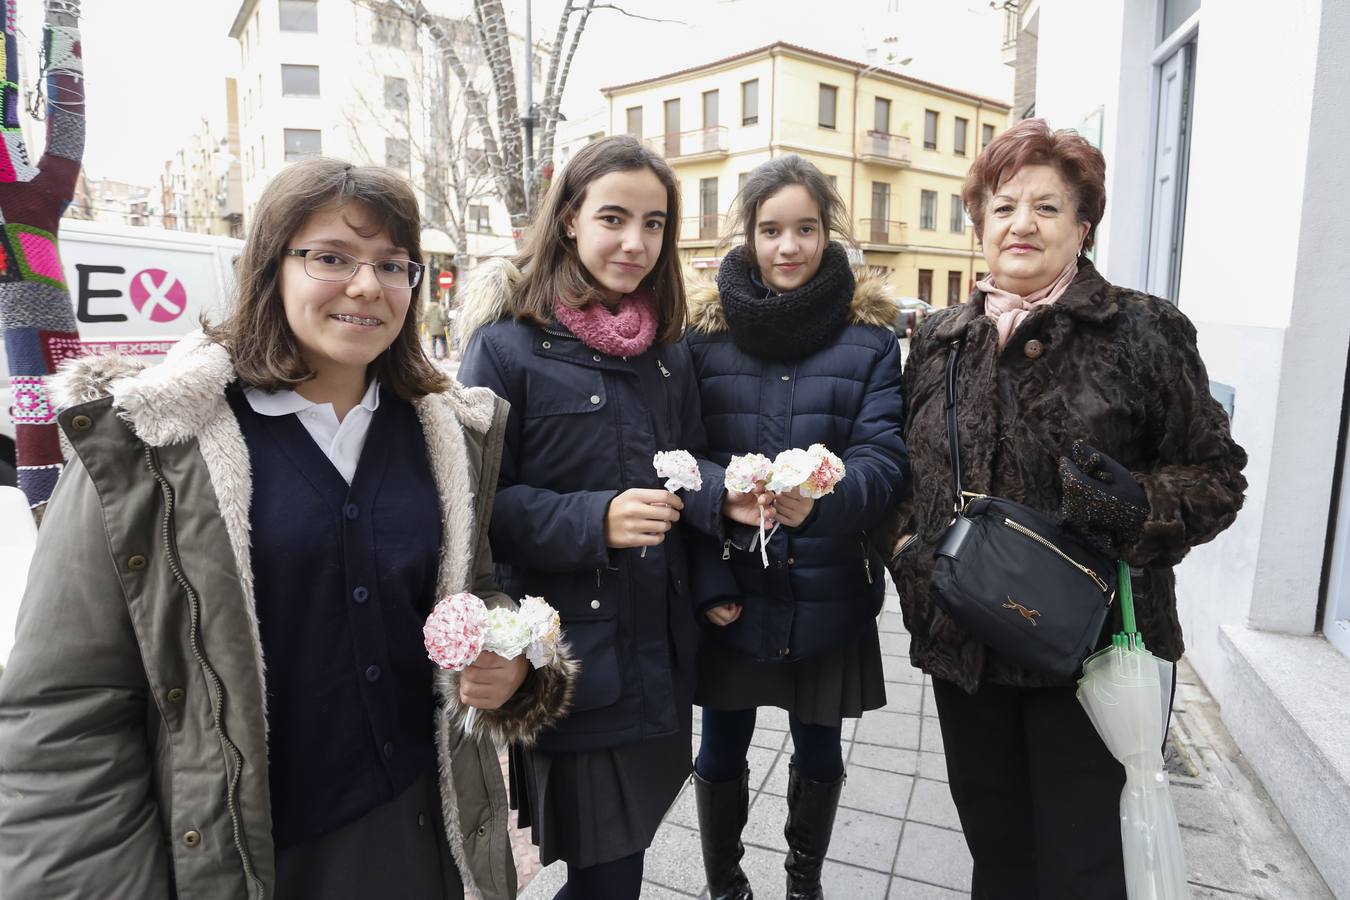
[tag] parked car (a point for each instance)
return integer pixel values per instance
(912, 311)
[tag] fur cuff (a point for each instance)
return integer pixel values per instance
(541, 703)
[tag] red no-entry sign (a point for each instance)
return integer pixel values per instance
(446, 279)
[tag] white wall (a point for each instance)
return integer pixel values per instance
(1265, 226)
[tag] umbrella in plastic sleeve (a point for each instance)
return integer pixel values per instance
(1126, 691)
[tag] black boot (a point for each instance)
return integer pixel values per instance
(811, 809)
(722, 810)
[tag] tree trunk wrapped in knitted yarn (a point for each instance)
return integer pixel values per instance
(35, 309)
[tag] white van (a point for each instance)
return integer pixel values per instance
(135, 291)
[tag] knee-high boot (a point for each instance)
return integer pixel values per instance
(723, 807)
(811, 809)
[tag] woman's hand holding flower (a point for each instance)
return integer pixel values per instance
(492, 680)
(790, 508)
(640, 517)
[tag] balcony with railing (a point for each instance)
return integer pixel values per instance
(705, 229)
(690, 146)
(884, 149)
(881, 233)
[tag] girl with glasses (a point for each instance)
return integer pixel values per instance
(219, 685)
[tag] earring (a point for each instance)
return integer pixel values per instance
(572, 235)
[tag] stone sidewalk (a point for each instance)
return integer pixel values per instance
(897, 836)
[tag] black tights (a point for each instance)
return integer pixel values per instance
(619, 879)
(816, 751)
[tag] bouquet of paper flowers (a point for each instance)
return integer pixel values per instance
(812, 472)
(461, 627)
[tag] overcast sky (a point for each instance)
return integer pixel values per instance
(155, 67)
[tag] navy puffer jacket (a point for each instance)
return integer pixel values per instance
(824, 581)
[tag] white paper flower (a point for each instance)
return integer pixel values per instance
(790, 469)
(508, 634)
(545, 631)
(744, 472)
(680, 470)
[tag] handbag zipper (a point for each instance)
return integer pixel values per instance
(1022, 529)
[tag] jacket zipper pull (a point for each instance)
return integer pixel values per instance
(867, 567)
(662, 366)
(726, 549)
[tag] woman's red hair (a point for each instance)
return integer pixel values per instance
(1032, 143)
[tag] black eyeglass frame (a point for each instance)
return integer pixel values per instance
(303, 252)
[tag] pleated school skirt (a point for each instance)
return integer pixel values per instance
(819, 690)
(597, 806)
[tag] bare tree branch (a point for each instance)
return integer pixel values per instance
(632, 15)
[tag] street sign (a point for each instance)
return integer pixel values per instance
(446, 279)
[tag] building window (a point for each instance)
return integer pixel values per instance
(829, 101)
(300, 15)
(302, 143)
(959, 137)
(986, 135)
(390, 28)
(958, 215)
(926, 285)
(881, 212)
(633, 115)
(881, 119)
(928, 210)
(262, 151)
(299, 81)
(707, 208)
(930, 126)
(953, 288)
(750, 102)
(672, 110)
(396, 93)
(741, 179)
(710, 102)
(396, 154)
(479, 220)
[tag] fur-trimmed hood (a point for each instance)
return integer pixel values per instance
(873, 304)
(486, 296)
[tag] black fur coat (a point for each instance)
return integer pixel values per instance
(1116, 368)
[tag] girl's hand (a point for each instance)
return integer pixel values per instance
(724, 615)
(742, 508)
(492, 680)
(791, 508)
(640, 517)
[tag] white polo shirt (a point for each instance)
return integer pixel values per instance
(341, 441)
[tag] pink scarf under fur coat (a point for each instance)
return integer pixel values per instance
(1008, 309)
(628, 330)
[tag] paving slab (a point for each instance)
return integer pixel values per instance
(897, 835)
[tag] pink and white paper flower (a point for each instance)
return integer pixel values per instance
(827, 472)
(680, 470)
(744, 472)
(456, 631)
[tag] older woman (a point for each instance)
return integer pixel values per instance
(1054, 362)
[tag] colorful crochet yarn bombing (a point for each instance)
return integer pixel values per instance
(36, 313)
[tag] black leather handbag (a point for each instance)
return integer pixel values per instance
(1014, 578)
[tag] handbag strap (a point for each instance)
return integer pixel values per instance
(953, 442)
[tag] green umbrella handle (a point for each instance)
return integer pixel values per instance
(1126, 596)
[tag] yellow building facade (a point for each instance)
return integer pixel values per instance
(896, 147)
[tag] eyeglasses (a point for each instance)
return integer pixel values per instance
(330, 265)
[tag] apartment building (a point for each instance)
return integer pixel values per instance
(897, 148)
(360, 82)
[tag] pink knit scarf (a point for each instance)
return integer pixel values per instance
(627, 331)
(1008, 309)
